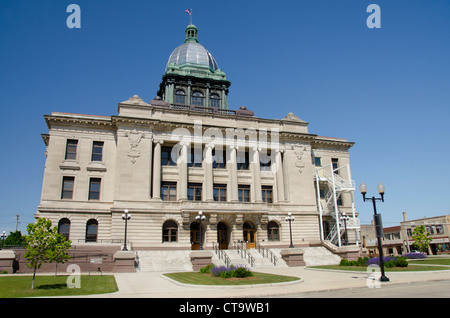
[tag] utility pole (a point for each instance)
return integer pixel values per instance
(17, 221)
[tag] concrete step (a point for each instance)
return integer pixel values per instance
(160, 261)
(314, 256)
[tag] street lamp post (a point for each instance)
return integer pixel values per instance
(125, 217)
(3, 235)
(345, 218)
(377, 219)
(290, 219)
(200, 217)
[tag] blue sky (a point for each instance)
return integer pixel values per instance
(386, 89)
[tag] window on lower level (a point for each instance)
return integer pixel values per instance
(194, 191)
(220, 192)
(67, 187)
(94, 188)
(169, 191)
(267, 194)
(244, 193)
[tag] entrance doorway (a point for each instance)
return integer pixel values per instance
(222, 236)
(195, 235)
(249, 234)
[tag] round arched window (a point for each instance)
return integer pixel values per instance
(273, 231)
(197, 98)
(64, 227)
(214, 100)
(180, 97)
(170, 231)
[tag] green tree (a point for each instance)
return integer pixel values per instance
(44, 244)
(421, 238)
(14, 239)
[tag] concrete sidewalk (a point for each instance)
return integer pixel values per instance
(155, 285)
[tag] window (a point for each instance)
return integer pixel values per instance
(339, 200)
(266, 194)
(220, 192)
(439, 229)
(318, 161)
(64, 227)
(196, 157)
(166, 157)
(94, 188)
(242, 160)
(273, 231)
(180, 97)
(97, 151)
(170, 231)
(197, 99)
(169, 191)
(244, 193)
(334, 162)
(218, 158)
(214, 100)
(194, 192)
(91, 230)
(71, 149)
(67, 187)
(264, 161)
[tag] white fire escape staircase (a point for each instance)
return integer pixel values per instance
(328, 206)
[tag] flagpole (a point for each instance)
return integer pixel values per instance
(191, 16)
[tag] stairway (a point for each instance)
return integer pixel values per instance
(164, 261)
(314, 256)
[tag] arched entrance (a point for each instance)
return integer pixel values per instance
(222, 235)
(249, 232)
(195, 235)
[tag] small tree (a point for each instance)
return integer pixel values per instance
(421, 238)
(44, 244)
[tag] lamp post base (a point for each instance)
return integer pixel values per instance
(384, 279)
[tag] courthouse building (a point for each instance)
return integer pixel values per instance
(187, 151)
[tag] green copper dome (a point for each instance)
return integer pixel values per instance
(192, 52)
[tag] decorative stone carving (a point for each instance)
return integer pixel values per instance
(292, 117)
(299, 151)
(134, 138)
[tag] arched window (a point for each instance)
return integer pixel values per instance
(170, 231)
(91, 230)
(180, 97)
(214, 100)
(197, 98)
(273, 231)
(64, 227)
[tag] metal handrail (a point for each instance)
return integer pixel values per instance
(268, 252)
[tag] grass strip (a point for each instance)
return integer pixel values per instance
(20, 286)
(195, 278)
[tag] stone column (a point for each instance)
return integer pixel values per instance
(209, 179)
(189, 93)
(256, 175)
(157, 170)
(233, 183)
(279, 176)
(182, 172)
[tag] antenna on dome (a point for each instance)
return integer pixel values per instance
(189, 11)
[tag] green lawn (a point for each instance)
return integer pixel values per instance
(431, 260)
(208, 279)
(20, 286)
(410, 268)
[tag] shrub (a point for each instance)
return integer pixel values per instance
(226, 274)
(344, 262)
(242, 272)
(206, 269)
(401, 262)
